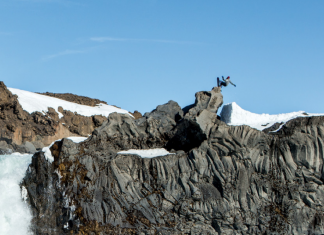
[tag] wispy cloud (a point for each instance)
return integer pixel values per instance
(62, 53)
(105, 39)
(72, 52)
(61, 2)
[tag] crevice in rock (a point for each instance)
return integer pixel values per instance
(188, 135)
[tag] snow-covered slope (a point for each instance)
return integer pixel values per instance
(32, 102)
(147, 153)
(232, 114)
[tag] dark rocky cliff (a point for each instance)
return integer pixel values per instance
(219, 180)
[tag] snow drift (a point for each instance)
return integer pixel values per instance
(32, 102)
(147, 153)
(234, 115)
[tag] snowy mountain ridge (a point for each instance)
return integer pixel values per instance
(32, 102)
(232, 114)
(30, 121)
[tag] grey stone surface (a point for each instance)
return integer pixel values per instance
(221, 180)
(30, 148)
(205, 100)
(38, 145)
(5, 148)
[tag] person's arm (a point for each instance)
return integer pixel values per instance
(232, 83)
(223, 78)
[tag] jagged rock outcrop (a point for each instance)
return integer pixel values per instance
(205, 100)
(19, 127)
(218, 179)
(137, 114)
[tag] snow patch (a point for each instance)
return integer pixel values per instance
(77, 139)
(147, 153)
(279, 127)
(48, 153)
(234, 115)
(32, 102)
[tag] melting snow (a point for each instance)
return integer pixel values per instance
(48, 153)
(32, 102)
(234, 115)
(147, 153)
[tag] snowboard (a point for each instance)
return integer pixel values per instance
(217, 81)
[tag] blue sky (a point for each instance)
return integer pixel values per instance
(139, 54)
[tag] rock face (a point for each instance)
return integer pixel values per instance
(219, 180)
(20, 129)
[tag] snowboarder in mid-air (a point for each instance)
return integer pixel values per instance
(225, 82)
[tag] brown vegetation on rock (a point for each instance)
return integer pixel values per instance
(136, 114)
(75, 98)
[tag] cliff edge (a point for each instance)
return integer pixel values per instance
(216, 179)
(30, 121)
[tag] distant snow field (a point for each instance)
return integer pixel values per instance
(234, 115)
(147, 153)
(32, 102)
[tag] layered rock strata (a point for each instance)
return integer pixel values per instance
(220, 179)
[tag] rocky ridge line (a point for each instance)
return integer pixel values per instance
(220, 180)
(84, 101)
(25, 133)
